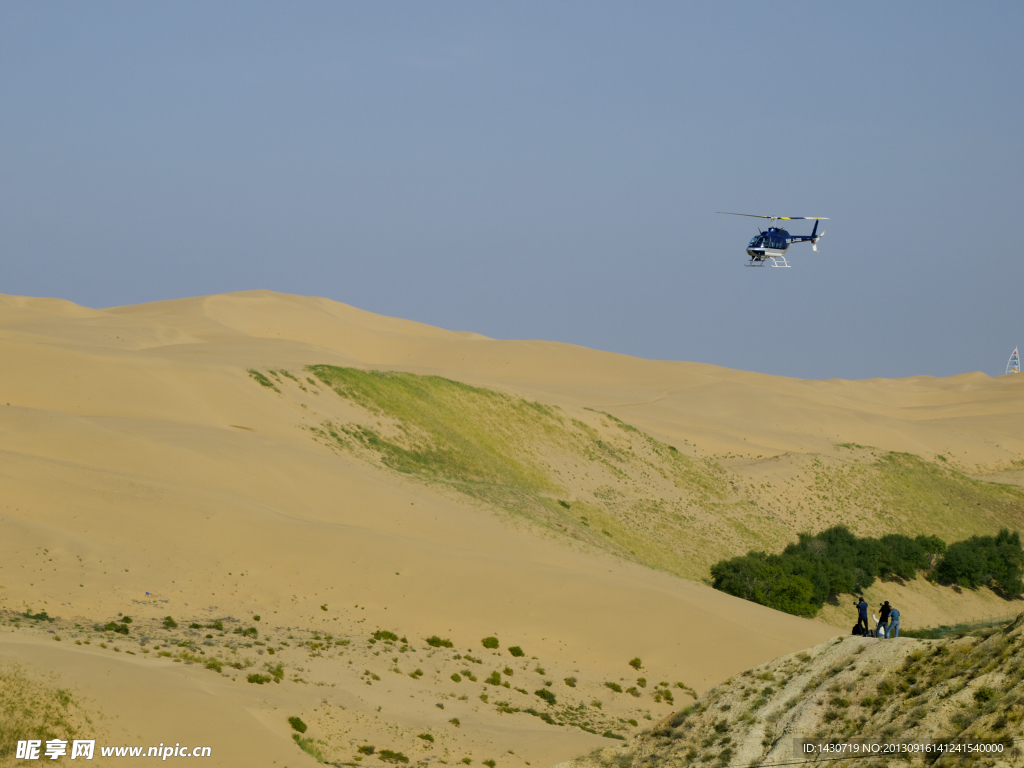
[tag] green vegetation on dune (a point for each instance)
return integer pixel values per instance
(504, 450)
(447, 430)
(909, 495)
(32, 709)
(994, 561)
(262, 380)
(817, 568)
(599, 480)
(945, 500)
(960, 629)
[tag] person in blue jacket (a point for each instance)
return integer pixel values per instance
(862, 615)
(894, 625)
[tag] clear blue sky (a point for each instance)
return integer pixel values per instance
(536, 170)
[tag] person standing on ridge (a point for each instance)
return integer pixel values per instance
(883, 619)
(894, 629)
(862, 615)
(879, 628)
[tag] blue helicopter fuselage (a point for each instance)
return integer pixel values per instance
(772, 242)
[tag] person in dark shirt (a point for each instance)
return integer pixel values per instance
(883, 619)
(862, 615)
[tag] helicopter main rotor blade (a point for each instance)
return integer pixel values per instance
(778, 218)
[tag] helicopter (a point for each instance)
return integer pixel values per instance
(773, 243)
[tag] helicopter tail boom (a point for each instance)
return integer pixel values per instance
(812, 238)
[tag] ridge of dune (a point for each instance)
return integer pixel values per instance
(267, 314)
(899, 414)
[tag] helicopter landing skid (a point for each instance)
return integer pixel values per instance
(777, 261)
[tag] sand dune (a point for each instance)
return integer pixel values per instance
(145, 473)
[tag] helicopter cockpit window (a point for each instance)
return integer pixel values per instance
(755, 241)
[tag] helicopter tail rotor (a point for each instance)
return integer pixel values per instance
(815, 237)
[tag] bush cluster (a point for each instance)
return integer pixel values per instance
(985, 561)
(835, 561)
(545, 694)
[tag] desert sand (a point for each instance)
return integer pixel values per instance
(145, 473)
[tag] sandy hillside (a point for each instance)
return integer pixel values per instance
(176, 459)
(851, 691)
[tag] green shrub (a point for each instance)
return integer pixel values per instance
(516, 651)
(121, 629)
(366, 749)
(455, 721)
(984, 693)
(489, 642)
(547, 718)
(383, 634)
(932, 545)
(218, 625)
(663, 694)
(215, 665)
(297, 724)
(545, 694)
(426, 737)
(494, 679)
(489, 763)
(392, 757)
(193, 625)
(636, 663)
(437, 642)
(985, 561)
(258, 679)
(570, 681)
(614, 686)
(125, 619)
(170, 623)
(456, 677)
